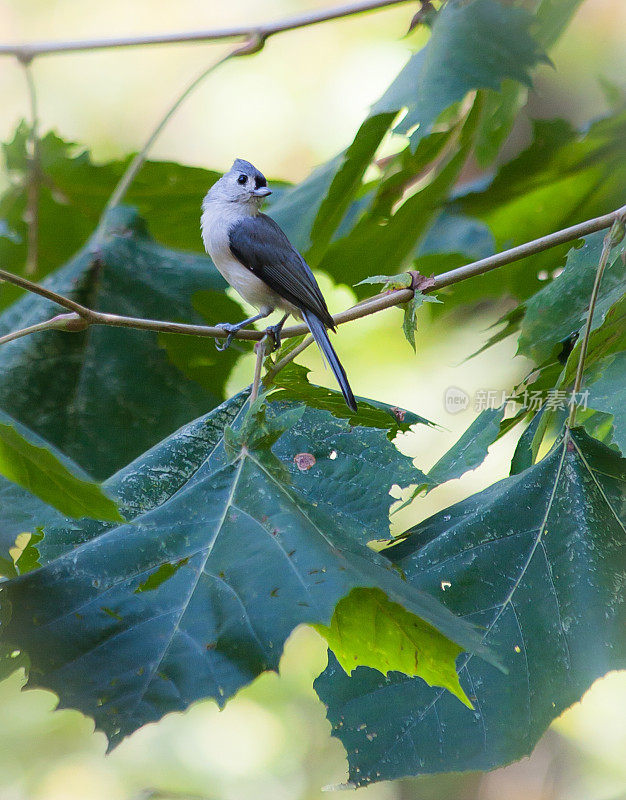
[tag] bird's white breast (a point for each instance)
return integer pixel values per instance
(216, 224)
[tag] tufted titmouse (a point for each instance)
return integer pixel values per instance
(259, 261)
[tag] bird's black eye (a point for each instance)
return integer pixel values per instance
(242, 179)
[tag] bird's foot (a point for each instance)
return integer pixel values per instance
(273, 333)
(230, 330)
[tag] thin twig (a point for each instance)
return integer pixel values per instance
(36, 288)
(259, 349)
(363, 309)
(615, 235)
(62, 322)
(271, 373)
(251, 46)
(33, 179)
(26, 52)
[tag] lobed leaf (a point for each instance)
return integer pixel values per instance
(538, 561)
(224, 557)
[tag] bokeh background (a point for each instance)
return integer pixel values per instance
(288, 109)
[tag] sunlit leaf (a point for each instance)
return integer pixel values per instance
(368, 630)
(25, 460)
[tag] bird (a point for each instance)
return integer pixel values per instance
(256, 258)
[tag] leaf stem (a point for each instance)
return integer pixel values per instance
(259, 348)
(613, 237)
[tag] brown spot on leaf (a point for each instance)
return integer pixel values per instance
(304, 461)
(399, 413)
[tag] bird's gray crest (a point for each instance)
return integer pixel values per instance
(241, 165)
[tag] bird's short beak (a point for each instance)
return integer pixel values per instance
(262, 191)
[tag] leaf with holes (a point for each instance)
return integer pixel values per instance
(223, 559)
(538, 561)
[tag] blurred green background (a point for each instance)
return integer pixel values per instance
(293, 106)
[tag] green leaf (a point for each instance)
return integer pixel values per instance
(409, 321)
(73, 194)
(467, 453)
(564, 177)
(470, 450)
(106, 394)
(368, 630)
(347, 181)
(472, 46)
(608, 394)
(401, 281)
(500, 111)
(606, 339)
(385, 241)
(294, 385)
(34, 467)
(560, 309)
(528, 444)
(255, 557)
(538, 561)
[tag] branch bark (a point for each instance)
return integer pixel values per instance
(27, 52)
(88, 316)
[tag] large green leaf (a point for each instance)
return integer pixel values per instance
(105, 395)
(564, 177)
(25, 460)
(73, 193)
(608, 394)
(225, 557)
(472, 46)
(384, 238)
(559, 310)
(538, 560)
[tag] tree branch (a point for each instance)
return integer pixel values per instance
(26, 52)
(363, 309)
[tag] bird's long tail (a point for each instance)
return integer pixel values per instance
(318, 329)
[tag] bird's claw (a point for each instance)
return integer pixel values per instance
(273, 332)
(230, 331)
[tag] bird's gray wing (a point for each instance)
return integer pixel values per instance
(261, 246)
